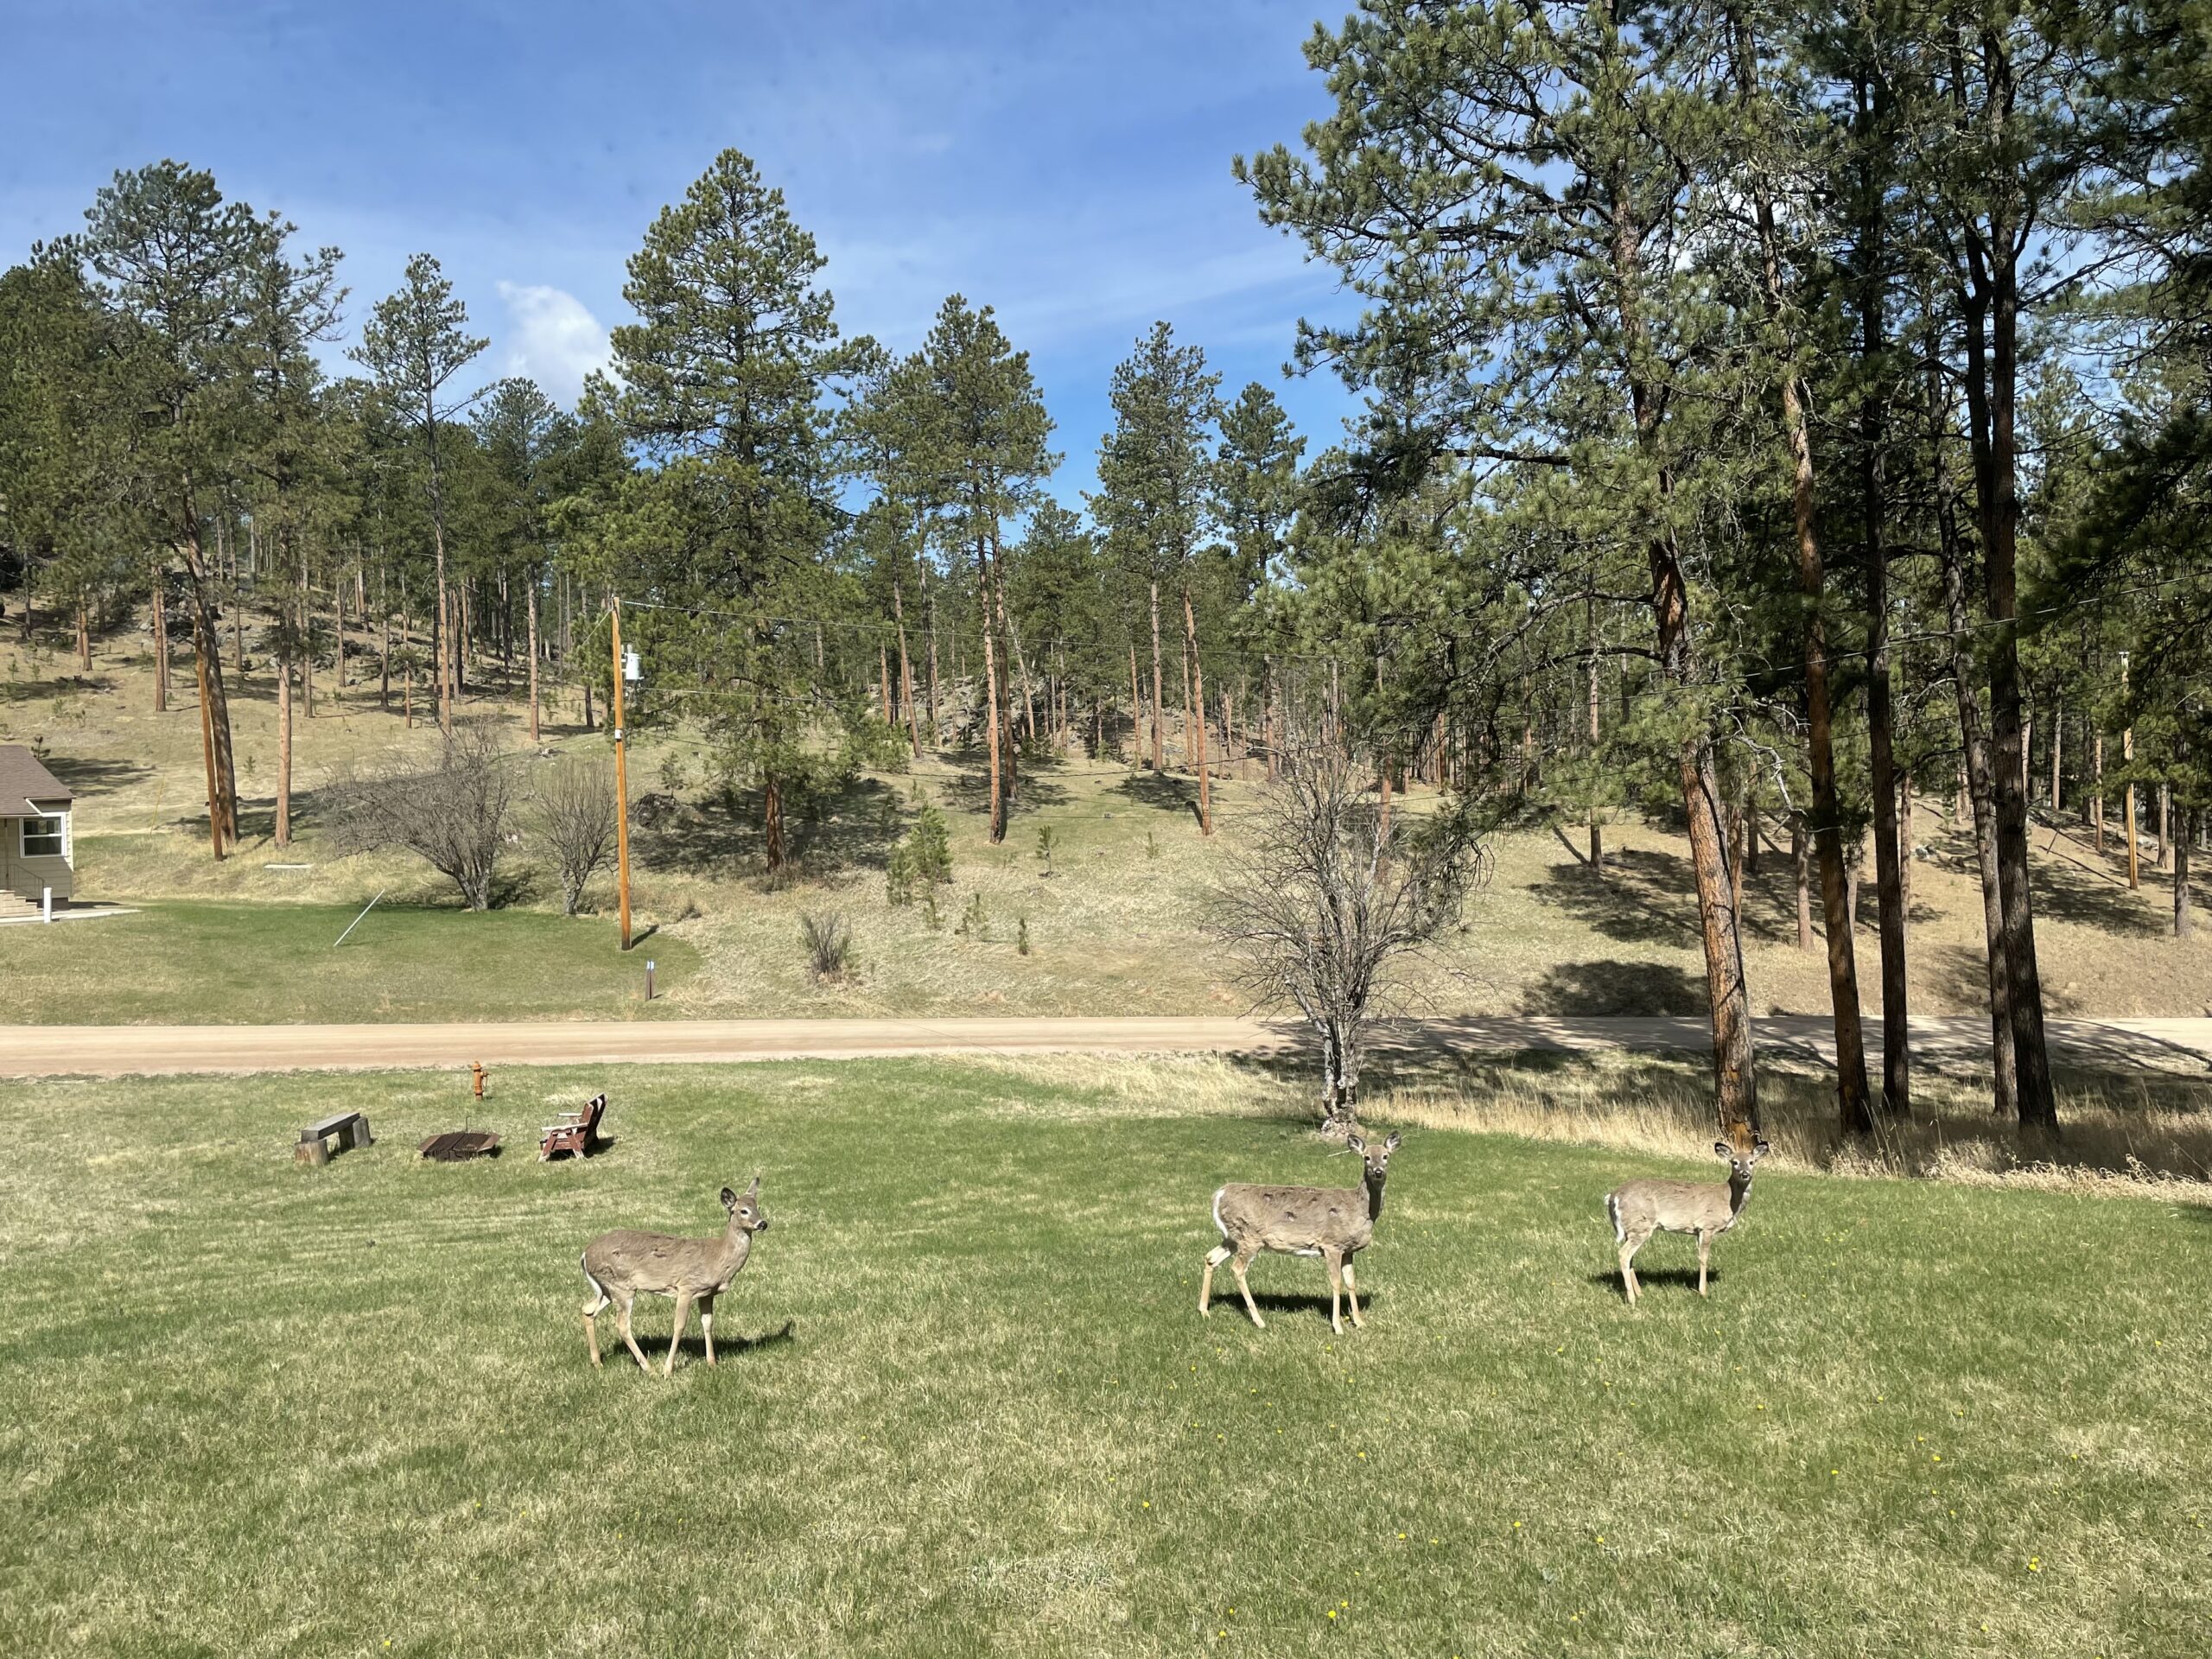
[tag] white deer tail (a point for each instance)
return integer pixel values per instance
(1613, 1213)
(1218, 1228)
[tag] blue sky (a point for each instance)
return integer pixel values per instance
(1068, 165)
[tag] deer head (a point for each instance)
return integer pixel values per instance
(744, 1212)
(1740, 1163)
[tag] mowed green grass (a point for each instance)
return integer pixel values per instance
(201, 962)
(966, 1403)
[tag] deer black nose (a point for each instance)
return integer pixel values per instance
(763, 1224)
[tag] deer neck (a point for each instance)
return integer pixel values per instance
(1739, 1193)
(1374, 1198)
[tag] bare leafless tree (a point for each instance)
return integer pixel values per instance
(454, 816)
(572, 809)
(1329, 893)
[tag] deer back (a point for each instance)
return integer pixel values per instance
(1658, 1206)
(1294, 1220)
(664, 1263)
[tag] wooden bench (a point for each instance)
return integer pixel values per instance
(576, 1132)
(349, 1129)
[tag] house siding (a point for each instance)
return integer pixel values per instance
(30, 876)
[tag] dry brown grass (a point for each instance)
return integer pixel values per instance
(1112, 930)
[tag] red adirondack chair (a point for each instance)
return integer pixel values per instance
(576, 1132)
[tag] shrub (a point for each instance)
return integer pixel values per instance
(1044, 839)
(828, 943)
(974, 923)
(899, 875)
(931, 842)
(1022, 942)
(453, 817)
(573, 809)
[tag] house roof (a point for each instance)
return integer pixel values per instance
(24, 783)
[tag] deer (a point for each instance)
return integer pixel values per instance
(1333, 1223)
(1709, 1209)
(618, 1265)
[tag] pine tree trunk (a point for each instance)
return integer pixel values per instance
(161, 639)
(907, 675)
(84, 639)
(1889, 880)
(2185, 834)
(284, 753)
(1980, 794)
(1801, 859)
(991, 698)
(530, 615)
(1159, 755)
(1199, 691)
(772, 820)
(1990, 386)
(1137, 710)
(2097, 800)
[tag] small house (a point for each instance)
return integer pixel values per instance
(37, 844)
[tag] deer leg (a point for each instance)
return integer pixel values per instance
(706, 1325)
(1242, 1261)
(629, 1301)
(1351, 1293)
(1628, 1248)
(591, 1311)
(1214, 1257)
(1336, 1264)
(675, 1337)
(1704, 1255)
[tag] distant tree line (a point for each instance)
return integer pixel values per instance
(1793, 423)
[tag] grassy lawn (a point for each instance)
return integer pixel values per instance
(966, 1403)
(203, 963)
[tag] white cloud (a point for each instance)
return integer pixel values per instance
(553, 339)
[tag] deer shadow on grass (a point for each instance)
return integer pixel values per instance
(1682, 1278)
(693, 1345)
(1274, 1304)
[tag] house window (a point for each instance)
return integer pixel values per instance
(42, 837)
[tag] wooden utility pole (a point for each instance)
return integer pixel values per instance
(621, 783)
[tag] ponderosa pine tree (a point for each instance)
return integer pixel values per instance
(414, 344)
(723, 379)
(1153, 478)
(173, 258)
(987, 449)
(1519, 194)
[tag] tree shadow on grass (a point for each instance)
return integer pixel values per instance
(841, 829)
(1162, 791)
(97, 777)
(60, 685)
(969, 788)
(1611, 986)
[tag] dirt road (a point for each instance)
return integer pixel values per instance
(2171, 1046)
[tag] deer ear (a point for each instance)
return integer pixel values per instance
(1391, 1145)
(1760, 1150)
(730, 1199)
(1724, 1149)
(753, 1190)
(1358, 1143)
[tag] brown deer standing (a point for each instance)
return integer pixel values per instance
(620, 1265)
(1330, 1222)
(1706, 1208)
